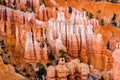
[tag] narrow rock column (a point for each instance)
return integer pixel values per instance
(62, 70)
(2, 21)
(99, 57)
(45, 52)
(116, 64)
(83, 54)
(84, 71)
(29, 51)
(90, 42)
(59, 45)
(37, 50)
(70, 32)
(22, 4)
(36, 3)
(9, 22)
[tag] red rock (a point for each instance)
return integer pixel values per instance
(54, 13)
(38, 52)
(22, 5)
(2, 23)
(116, 64)
(45, 53)
(29, 49)
(36, 3)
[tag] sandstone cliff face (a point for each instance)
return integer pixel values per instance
(79, 36)
(7, 72)
(82, 39)
(15, 25)
(89, 6)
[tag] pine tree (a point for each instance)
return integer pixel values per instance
(102, 78)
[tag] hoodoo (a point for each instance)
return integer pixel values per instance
(59, 40)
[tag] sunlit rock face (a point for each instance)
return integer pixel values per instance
(2, 24)
(51, 73)
(43, 13)
(59, 44)
(62, 70)
(72, 33)
(84, 71)
(22, 4)
(99, 56)
(78, 37)
(14, 27)
(116, 64)
(68, 71)
(29, 50)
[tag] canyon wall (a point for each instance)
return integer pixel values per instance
(15, 25)
(73, 32)
(77, 37)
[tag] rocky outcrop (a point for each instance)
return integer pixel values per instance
(15, 25)
(51, 73)
(29, 49)
(7, 72)
(80, 40)
(68, 71)
(61, 70)
(74, 34)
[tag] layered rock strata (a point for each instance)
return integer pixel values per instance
(73, 70)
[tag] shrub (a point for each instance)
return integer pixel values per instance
(102, 78)
(48, 64)
(1, 42)
(99, 11)
(24, 70)
(90, 15)
(42, 71)
(62, 53)
(5, 51)
(51, 56)
(0, 2)
(38, 64)
(70, 9)
(102, 22)
(27, 75)
(113, 20)
(17, 71)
